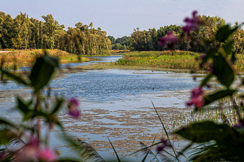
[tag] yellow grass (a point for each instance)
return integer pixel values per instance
(21, 58)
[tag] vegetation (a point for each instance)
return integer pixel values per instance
(120, 43)
(168, 59)
(208, 140)
(148, 40)
(20, 58)
(23, 32)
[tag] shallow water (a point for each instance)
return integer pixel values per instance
(114, 103)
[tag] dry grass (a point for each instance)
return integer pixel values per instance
(21, 58)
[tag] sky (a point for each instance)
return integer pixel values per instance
(120, 17)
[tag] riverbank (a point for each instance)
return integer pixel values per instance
(104, 66)
(22, 58)
(167, 60)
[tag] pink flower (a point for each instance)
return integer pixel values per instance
(29, 151)
(196, 98)
(169, 38)
(75, 114)
(34, 141)
(73, 105)
(163, 145)
(47, 154)
(3, 155)
(191, 24)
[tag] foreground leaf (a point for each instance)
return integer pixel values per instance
(42, 71)
(217, 95)
(223, 70)
(15, 78)
(207, 131)
(88, 153)
(224, 32)
(228, 47)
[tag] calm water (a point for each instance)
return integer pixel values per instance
(112, 90)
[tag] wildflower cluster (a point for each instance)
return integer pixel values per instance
(33, 151)
(218, 62)
(73, 108)
(32, 143)
(196, 98)
(191, 23)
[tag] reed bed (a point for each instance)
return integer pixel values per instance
(21, 58)
(175, 60)
(119, 51)
(169, 59)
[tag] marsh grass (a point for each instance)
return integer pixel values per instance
(21, 58)
(119, 51)
(168, 59)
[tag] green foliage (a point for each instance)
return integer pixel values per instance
(206, 131)
(42, 71)
(224, 32)
(120, 43)
(148, 40)
(217, 95)
(6, 135)
(220, 141)
(23, 32)
(14, 77)
(223, 70)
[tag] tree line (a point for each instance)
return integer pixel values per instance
(148, 40)
(23, 32)
(122, 43)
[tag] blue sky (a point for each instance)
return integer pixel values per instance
(120, 17)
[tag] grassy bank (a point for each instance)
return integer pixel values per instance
(21, 58)
(167, 59)
(119, 51)
(175, 60)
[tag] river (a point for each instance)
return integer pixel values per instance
(114, 103)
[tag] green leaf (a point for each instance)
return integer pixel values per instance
(114, 150)
(58, 123)
(88, 153)
(71, 141)
(22, 106)
(233, 58)
(207, 131)
(223, 70)
(206, 80)
(6, 135)
(217, 95)
(69, 160)
(208, 55)
(58, 105)
(228, 47)
(165, 130)
(42, 71)
(15, 78)
(207, 41)
(5, 122)
(224, 32)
